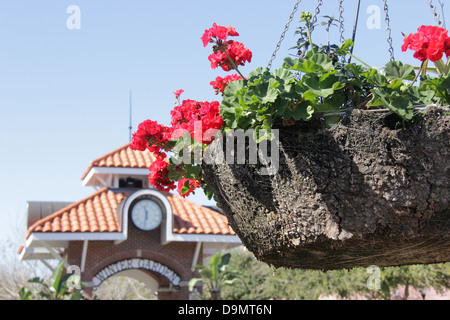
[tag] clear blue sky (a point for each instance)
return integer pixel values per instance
(64, 93)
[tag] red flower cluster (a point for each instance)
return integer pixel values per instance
(221, 83)
(217, 32)
(178, 93)
(430, 42)
(159, 174)
(197, 118)
(201, 119)
(236, 51)
(151, 135)
(193, 184)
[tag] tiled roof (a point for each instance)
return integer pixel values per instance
(123, 157)
(192, 218)
(97, 213)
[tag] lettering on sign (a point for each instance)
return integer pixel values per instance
(136, 263)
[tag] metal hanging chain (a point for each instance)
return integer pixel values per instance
(286, 28)
(435, 14)
(388, 30)
(341, 21)
(316, 13)
(355, 27)
(341, 25)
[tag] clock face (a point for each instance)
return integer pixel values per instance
(146, 214)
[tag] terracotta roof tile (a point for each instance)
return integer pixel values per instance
(97, 213)
(191, 218)
(123, 157)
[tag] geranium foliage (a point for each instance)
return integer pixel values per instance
(318, 82)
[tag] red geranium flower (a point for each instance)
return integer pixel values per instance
(159, 174)
(237, 52)
(193, 184)
(196, 118)
(218, 32)
(221, 83)
(430, 42)
(151, 134)
(178, 93)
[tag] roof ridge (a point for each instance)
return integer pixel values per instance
(96, 161)
(61, 211)
(190, 202)
(111, 153)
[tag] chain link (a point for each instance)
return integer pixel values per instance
(341, 21)
(388, 30)
(435, 14)
(283, 34)
(316, 13)
(341, 25)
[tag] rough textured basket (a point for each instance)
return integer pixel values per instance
(358, 194)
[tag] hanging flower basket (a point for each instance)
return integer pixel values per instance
(359, 156)
(358, 194)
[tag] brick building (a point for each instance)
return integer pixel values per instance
(127, 227)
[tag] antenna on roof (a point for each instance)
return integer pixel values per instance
(131, 108)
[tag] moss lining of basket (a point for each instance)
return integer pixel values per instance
(365, 192)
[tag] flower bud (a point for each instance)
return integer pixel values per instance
(305, 16)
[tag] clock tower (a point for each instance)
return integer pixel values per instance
(127, 227)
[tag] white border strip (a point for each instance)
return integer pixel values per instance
(113, 170)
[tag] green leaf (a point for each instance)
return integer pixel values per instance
(232, 88)
(300, 111)
(214, 263)
(284, 75)
(310, 96)
(332, 120)
(206, 273)
(346, 45)
(289, 62)
(224, 262)
(323, 60)
(25, 294)
(55, 279)
(331, 80)
(185, 188)
(307, 66)
(36, 280)
(76, 295)
(397, 103)
(396, 70)
(375, 78)
(257, 73)
(192, 172)
(402, 106)
(174, 175)
(396, 84)
(313, 82)
(208, 191)
(356, 69)
(193, 282)
(317, 63)
(326, 108)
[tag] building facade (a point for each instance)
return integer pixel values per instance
(127, 227)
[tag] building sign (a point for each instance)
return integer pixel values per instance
(136, 263)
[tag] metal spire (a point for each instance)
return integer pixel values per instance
(131, 108)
